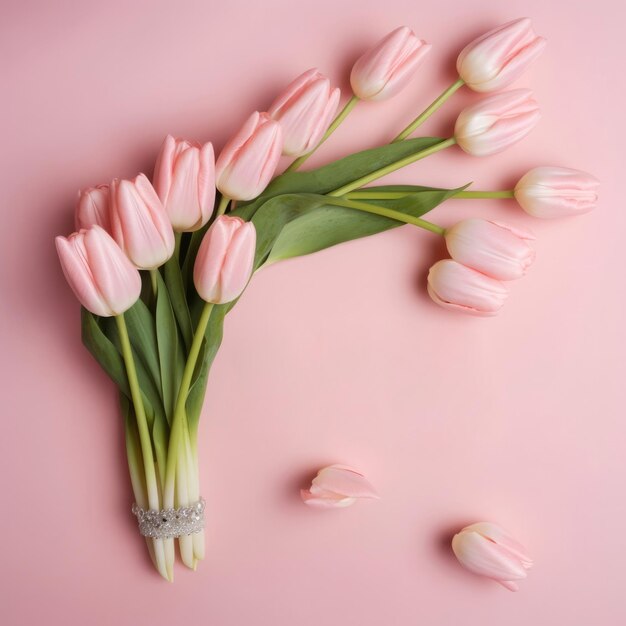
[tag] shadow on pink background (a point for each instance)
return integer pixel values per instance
(337, 357)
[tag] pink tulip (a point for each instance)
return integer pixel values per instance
(496, 122)
(488, 550)
(225, 260)
(103, 279)
(184, 179)
(305, 110)
(139, 222)
(557, 192)
(337, 486)
(248, 161)
(93, 208)
(495, 249)
(385, 69)
(499, 57)
(460, 288)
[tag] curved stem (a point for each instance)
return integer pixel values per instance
(140, 414)
(223, 205)
(390, 213)
(422, 117)
(331, 129)
(392, 167)
(178, 420)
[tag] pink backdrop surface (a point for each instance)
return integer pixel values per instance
(336, 357)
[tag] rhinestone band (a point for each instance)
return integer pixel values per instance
(170, 523)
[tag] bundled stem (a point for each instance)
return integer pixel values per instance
(163, 564)
(179, 419)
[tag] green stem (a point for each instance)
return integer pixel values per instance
(178, 420)
(390, 213)
(177, 239)
(392, 167)
(374, 194)
(331, 129)
(486, 194)
(221, 209)
(154, 275)
(422, 117)
(140, 414)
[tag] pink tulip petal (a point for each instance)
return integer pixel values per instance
(343, 481)
(486, 558)
(502, 537)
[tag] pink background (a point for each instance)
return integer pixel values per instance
(337, 357)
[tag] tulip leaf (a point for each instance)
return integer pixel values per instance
(212, 342)
(297, 224)
(339, 173)
(104, 351)
(174, 280)
(170, 353)
(142, 333)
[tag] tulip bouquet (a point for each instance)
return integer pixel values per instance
(157, 265)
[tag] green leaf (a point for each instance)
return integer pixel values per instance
(142, 333)
(104, 351)
(170, 353)
(173, 278)
(338, 173)
(151, 393)
(297, 224)
(212, 342)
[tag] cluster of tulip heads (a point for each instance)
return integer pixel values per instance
(142, 218)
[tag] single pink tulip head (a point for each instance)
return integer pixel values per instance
(488, 550)
(93, 208)
(184, 179)
(460, 288)
(550, 192)
(248, 161)
(99, 273)
(386, 69)
(304, 111)
(500, 56)
(225, 260)
(495, 249)
(496, 122)
(139, 222)
(337, 486)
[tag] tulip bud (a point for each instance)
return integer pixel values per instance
(496, 122)
(184, 179)
(99, 273)
(93, 208)
(139, 223)
(488, 550)
(337, 486)
(556, 192)
(304, 111)
(385, 69)
(460, 288)
(248, 161)
(500, 56)
(495, 249)
(225, 260)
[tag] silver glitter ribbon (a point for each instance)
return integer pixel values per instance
(170, 523)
